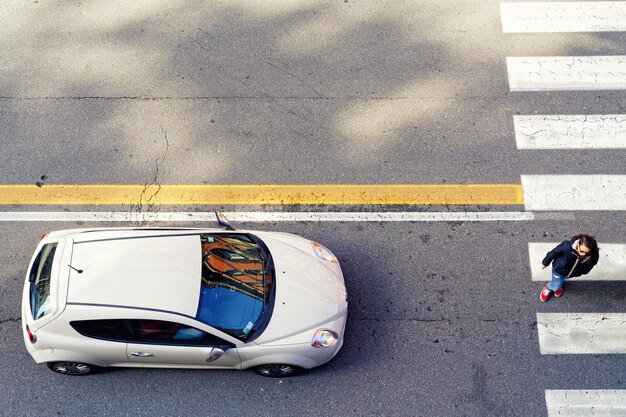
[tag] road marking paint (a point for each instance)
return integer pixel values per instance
(567, 73)
(592, 16)
(611, 265)
(353, 194)
(586, 403)
(570, 131)
(574, 192)
(209, 217)
(581, 333)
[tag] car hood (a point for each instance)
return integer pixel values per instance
(310, 292)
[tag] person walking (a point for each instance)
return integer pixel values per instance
(571, 258)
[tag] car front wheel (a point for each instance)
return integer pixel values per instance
(277, 370)
(71, 368)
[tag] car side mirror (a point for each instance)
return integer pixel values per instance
(223, 221)
(215, 354)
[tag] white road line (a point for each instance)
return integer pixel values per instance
(591, 16)
(97, 216)
(574, 192)
(586, 403)
(567, 73)
(570, 131)
(610, 267)
(581, 333)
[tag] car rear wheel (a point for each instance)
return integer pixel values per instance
(277, 370)
(71, 368)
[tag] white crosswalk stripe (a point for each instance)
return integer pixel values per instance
(567, 73)
(601, 131)
(581, 333)
(589, 16)
(586, 403)
(574, 192)
(611, 265)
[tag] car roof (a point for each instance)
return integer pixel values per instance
(146, 269)
(93, 234)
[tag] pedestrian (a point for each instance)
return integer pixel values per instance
(571, 258)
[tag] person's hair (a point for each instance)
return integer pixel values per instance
(588, 241)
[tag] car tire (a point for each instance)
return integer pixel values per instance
(277, 370)
(72, 368)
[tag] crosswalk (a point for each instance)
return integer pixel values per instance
(581, 333)
(574, 192)
(578, 403)
(560, 333)
(593, 131)
(546, 17)
(568, 73)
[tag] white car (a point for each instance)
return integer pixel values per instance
(182, 298)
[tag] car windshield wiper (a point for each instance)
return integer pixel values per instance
(266, 256)
(266, 259)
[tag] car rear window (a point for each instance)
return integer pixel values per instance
(39, 279)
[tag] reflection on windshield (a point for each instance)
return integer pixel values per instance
(235, 283)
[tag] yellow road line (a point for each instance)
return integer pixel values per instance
(385, 194)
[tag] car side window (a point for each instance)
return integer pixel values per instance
(102, 329)
(170, 333)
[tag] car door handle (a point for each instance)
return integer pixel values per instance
(141, 354)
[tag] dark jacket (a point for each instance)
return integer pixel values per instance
(566, 261)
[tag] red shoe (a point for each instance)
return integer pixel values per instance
(558, 292)
(545, 294)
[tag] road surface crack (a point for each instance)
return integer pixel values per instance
(10, 320)
(147, 198)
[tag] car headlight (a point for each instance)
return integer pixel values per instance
(323, 253)
(324, 338)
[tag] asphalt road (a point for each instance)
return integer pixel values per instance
(442, 321)
(442, 318)
(305, 92)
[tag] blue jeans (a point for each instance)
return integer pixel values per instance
(557, 281)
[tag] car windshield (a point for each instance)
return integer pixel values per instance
(237, 283)
(39, 279)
